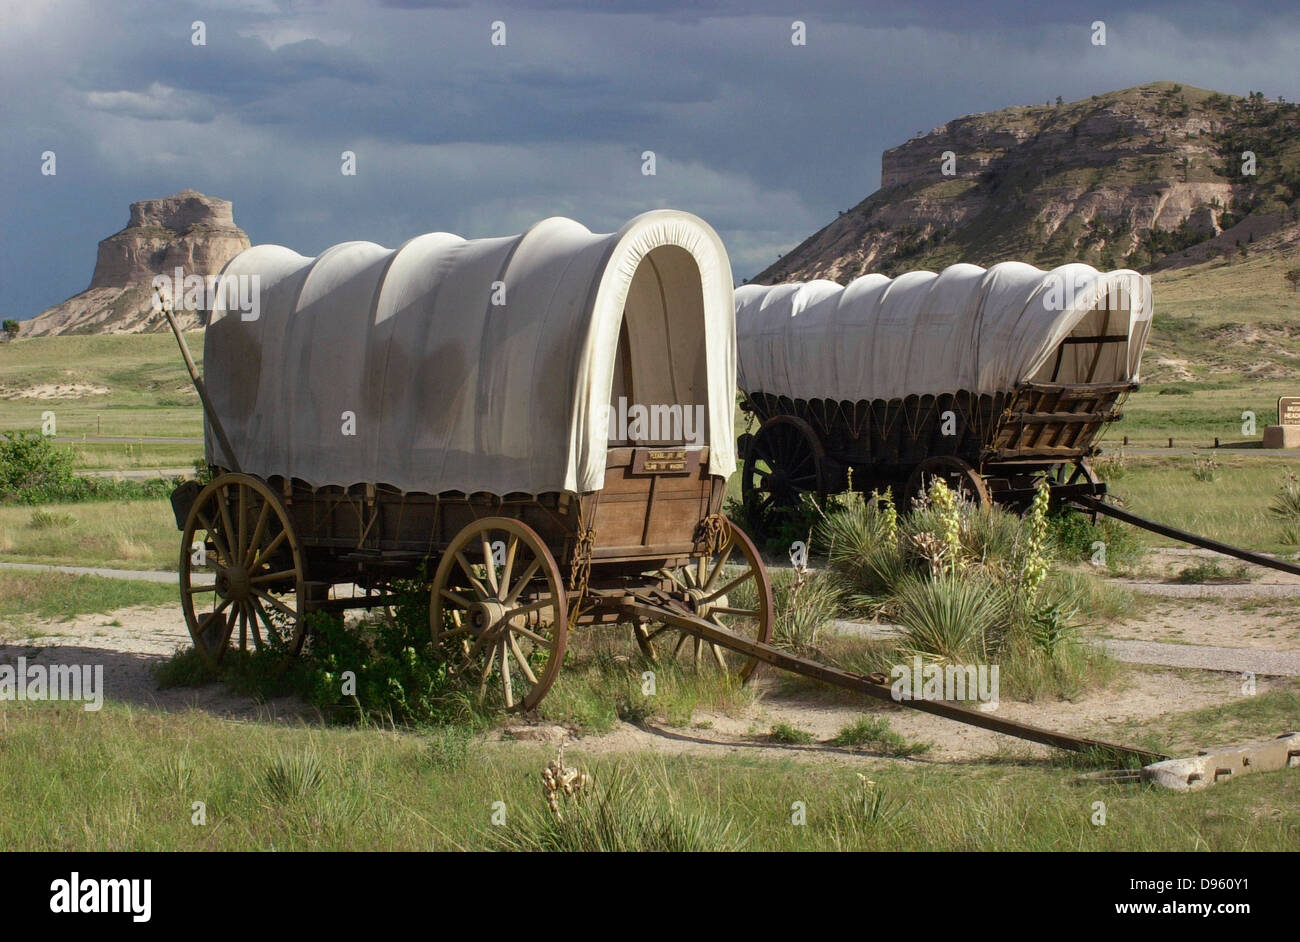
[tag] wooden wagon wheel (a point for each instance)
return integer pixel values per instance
(499, 610)
(958, 474)
(241, 567)
(1080, 470)
(730, 589)
(783, 460)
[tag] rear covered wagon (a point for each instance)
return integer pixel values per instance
(540, 425)
(987, 378)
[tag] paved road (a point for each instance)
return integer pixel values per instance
(1156, 653)
(124, 440)
(1203, 657)
(139, 474)
(142, 575)
(1112, 449)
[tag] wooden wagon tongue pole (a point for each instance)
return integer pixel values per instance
(873, 687)
(232, 463)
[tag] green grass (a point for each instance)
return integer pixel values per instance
(1199, 414)
(149, 391)
(114, 534)
(789, 735)
(1232, 508)
(131, 456)
(602, 682)
(874, 734)
(57, 595)
(128, 779)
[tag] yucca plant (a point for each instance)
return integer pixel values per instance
(806, 602)
(1286, 507)
(949, 619)
(620, 816)
(293, 777)
(862, 540)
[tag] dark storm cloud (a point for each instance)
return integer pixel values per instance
(764, 139)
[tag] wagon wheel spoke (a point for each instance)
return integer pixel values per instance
(260, 559)
(520, 659)
(275, 603)
(489, 566)
(473, 579)
(218, 541)
(733, 584)
(512, 664)
(719, 567)
(507, 686)
(252, 623)
(241, 534)
(258, 532)
(456, 597)
(512, 547)
(273, 576)
(513, 595)
(538, 639)
(237, 511)
(719, 590)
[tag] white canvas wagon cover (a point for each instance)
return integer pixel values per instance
(964, 329)
(481, 365)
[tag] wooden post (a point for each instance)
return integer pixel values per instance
(232, 461)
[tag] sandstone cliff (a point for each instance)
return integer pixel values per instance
(190, 231)
(1148, 177)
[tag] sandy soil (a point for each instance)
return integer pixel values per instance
(130, 642)
(55, 391)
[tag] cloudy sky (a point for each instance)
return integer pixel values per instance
(764, 139)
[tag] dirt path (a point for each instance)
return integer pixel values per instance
(131, 642)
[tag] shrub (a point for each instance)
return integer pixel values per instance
(1075, 537)
(947, 618)
(875, 733)
(1205, 469)
(399, 676)
(805, 604)
(31, 462)
(1286, 507)
(790, 735)
(50, 520)
(293, 777)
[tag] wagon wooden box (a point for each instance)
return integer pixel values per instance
(987, 378)
(450, 411)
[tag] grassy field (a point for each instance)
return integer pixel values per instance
(133, 456)
(128, 779)
(1233, 507)
(56, 595)
(1194, 414)
(148, 391)
(120, 535)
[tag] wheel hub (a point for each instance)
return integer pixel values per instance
(701, 604)
(234, 584)
(485, 615)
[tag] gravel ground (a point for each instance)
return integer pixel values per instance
(1236, 660)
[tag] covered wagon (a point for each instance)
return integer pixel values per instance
(541, 425)
(989, 378)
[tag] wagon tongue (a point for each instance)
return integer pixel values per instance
(646, 605)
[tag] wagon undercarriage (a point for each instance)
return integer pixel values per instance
(991, 448)
(508, 578)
